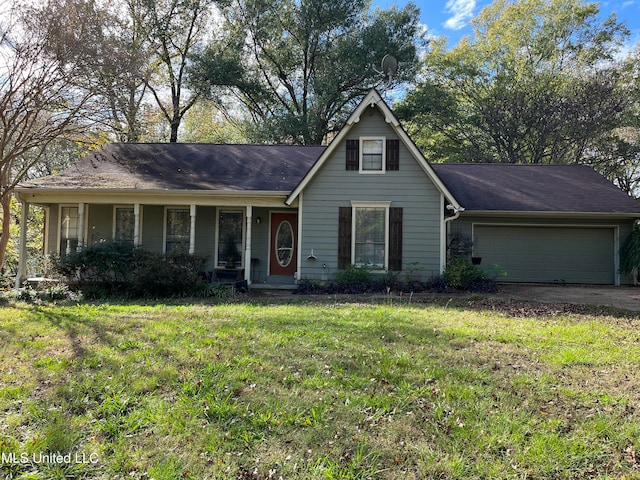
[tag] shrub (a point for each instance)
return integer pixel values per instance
(630, 252)
(461, 274)
(110, 269)
(104, 262)
(360, 279)
(176, 274)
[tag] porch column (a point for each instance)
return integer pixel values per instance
(136, 224)
(247, 249)
(192, 230)
(80, 227)
(22, 258)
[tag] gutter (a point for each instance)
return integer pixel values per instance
(548, 214)
(456, 213)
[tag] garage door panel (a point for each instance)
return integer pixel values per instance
(548, 254)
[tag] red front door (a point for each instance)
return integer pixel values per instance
(284, 242)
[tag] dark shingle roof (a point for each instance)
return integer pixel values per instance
(279, 168)
(182, 166)
(534, 188)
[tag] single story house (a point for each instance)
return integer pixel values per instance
(271, 214)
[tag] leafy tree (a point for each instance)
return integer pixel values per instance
(113, 61)
(630, 253)
(306, 62)
(617, 154)
(536, 84)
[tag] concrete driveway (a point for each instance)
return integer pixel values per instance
(627, 298)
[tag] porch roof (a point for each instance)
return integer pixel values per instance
(186, 166)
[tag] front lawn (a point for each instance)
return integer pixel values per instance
(318, 390)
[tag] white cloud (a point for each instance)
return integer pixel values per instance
(461, 11)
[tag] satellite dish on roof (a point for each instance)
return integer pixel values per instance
(389, 67)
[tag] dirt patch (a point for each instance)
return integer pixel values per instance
(519, 300)
(563, 298)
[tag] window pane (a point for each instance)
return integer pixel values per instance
(370, 225)
(68, 230)
(125, 222)
(370, 237)
(372, 155)
(230, 237)
(178, 228)
(284, 244)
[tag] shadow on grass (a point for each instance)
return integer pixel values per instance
(343, 388)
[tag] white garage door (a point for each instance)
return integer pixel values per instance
(548, 254)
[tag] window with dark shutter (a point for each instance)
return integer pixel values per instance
(395, 239)
(344, 237)
(353, 154)
(393, 154)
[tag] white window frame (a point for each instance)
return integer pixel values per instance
(354, 211)
(383, 168)
(220, 210)
(164, 226)
(115, 209)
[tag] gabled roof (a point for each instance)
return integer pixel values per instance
(498, 187)
(373, 99)
(180, 166)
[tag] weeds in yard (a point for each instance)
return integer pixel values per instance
(318, 391)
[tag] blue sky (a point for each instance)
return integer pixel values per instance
(450, 17)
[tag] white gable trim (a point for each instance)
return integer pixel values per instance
(373, 99)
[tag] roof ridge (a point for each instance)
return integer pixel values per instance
(262, 145)
(470, 164)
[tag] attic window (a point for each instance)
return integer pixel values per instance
(372, 155)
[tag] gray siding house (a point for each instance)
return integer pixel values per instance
(369, 198)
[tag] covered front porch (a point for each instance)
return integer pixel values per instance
(253, 240)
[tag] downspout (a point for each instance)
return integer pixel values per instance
(456, 213)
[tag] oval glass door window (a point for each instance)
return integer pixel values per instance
(284, 244)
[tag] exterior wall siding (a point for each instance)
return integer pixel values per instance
(334, 187)
(260, 245)
(152, 227)
(205, 234)
(52, 225)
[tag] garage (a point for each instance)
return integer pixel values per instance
(548, 254)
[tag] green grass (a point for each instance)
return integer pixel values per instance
(316, 391)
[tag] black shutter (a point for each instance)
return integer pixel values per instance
(395, 239)
(344, 237)
(393, 154)
(353, 155)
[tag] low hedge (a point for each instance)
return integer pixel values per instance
(118, 269)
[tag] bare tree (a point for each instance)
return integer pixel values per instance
(40, 102)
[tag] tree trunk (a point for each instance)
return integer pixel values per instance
(174, 131)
